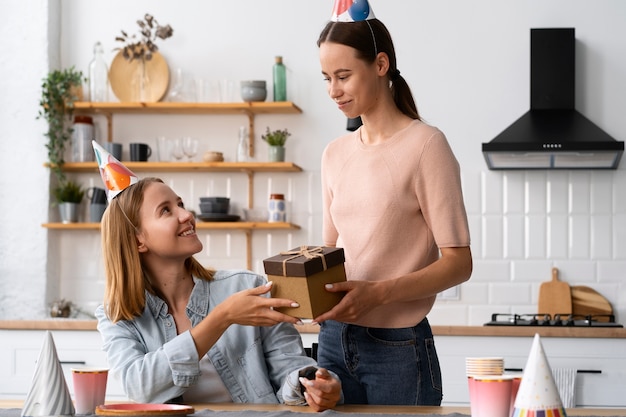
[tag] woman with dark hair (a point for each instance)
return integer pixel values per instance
(175, 331)
(392, 199)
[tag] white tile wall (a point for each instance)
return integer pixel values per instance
(530, 221)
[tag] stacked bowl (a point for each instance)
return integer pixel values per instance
(215, 209)
(214, 205)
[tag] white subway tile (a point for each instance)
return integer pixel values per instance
(619, 235)
(536, 186)
(579, 192)
(601, 192)
(557, 236)
(531, 270)
(557, 192)
(476, 239)
(492, 241)
(577, 272)
(579, 236)
(535, 236)
(514, 236)
(491, 192)
(601, 236)
(513, 189)
(490, 271)
(619, 193)
(612, 272)
(509, 293)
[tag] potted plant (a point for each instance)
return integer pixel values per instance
(59, 91)
(276, 140)
(68, 195)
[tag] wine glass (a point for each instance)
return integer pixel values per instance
(190, 147)
(177, 150)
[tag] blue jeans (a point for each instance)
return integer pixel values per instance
(382, 366)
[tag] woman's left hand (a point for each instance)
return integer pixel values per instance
(360, 297)
(323, 392)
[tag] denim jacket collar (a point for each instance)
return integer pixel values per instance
(197, 304)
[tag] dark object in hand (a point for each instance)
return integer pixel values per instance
(308, 373)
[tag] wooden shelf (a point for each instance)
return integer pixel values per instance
(244, 108)
(190, 166)
(200, 225)
(270, 107)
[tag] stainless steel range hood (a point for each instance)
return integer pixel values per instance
(552, 134)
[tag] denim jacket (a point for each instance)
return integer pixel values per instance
(154, 364)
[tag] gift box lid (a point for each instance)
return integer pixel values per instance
(303, 261)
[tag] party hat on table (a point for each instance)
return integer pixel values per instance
(48, 395)
(352, 11)
(115, 176)
(538, 395)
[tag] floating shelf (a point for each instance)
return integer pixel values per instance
(190, 166)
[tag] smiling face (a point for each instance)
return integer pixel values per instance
(168, 230)
(355, 85)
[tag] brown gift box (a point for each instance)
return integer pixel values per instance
(300, 275)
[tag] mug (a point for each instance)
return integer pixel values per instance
(97, 195)
(140, 152)
(115, 149)
(96, 210)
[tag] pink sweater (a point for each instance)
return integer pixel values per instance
(390, 207)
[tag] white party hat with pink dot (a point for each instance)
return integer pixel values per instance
(352, 11)
(538, 395)
(48, 395)
(115, 176)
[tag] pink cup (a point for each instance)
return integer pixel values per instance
(516, 381)
(89, 389)
(490, 396)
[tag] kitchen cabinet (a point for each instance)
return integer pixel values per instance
(20, 350)
(600, 362)
(248, 168)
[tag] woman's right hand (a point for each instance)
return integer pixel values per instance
(250, 308)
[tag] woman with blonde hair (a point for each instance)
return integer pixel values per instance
(175, 331)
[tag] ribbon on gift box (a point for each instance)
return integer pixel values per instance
(317, 252)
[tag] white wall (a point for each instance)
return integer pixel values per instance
(468, 65)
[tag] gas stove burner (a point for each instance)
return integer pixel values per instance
(559, 320)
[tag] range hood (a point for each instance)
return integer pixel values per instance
(552, 134)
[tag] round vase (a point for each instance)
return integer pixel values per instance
(276, 153)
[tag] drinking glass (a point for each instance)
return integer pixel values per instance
(177, 150)
(190, 147)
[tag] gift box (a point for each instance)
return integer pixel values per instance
(300, 275)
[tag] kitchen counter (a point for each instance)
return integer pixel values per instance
(278, 410)
(510, 331)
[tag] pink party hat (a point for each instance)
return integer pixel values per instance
(48, 395)
(115, 176)
(538, 395)
(352, 11)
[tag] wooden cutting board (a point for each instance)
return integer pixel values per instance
(555, 296)
(587, 301)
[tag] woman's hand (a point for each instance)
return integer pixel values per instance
(249, 308)
(360, 297)
(323, 392)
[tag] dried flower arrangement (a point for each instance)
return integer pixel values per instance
(142, 46)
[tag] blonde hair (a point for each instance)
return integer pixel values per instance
(126, 282)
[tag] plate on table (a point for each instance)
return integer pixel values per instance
(143, 409)
(218, 217)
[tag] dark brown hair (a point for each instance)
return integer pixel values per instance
(126, 282)
(369, 38)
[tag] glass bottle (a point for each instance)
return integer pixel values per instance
(242, 146)
(98, 75)
(280, 80)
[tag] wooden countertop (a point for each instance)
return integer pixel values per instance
(364, 409)
(504, 331)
